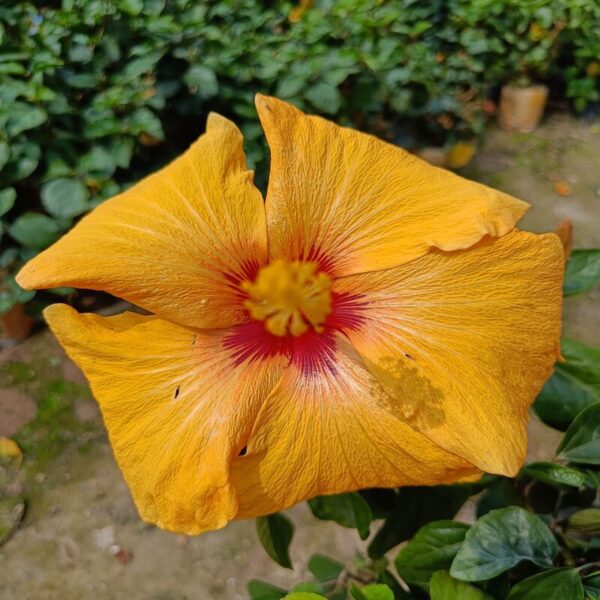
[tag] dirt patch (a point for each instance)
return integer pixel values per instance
(16, 410)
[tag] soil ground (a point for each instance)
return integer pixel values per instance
(81, 538)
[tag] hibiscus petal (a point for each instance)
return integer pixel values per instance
(176, 243)
(465, 340)
(356, 203)
(176, 408)
(331, 430)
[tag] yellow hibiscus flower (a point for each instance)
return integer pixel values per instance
(378, 322)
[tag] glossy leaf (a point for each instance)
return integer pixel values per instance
(574, 385)
(499, 541)
(586, 521)
(65, 198)
(432, 549)
(373, 591)
(416, 506)
(445, 587)
(581, 443)
(555, 474)
(262, 590)
(34, 230)
(304, 596)
(275, 533)
(558, 584)
(591, 586)
(323, 568)
(582, 272)
(7, 200)
(348, 510)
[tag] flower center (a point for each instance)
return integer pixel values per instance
(290, 297)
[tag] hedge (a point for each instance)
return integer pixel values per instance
(96, 93)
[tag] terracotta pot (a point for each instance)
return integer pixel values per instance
(15, 326)
(521, 108)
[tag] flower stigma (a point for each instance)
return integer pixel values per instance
(290, 297)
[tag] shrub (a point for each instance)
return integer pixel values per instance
(85, 85)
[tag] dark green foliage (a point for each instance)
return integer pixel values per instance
(94, 94)
(557, 584)
(349, 510)
(275, 533)
(499, 541)
(574, 385)
(535, 536)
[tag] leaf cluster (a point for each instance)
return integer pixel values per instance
(94, 94)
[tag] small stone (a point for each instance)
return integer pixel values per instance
(104, 537)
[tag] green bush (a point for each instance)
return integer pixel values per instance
(96, 93)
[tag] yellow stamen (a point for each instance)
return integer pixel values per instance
(290, 297)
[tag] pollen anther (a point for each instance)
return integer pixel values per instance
(290, 297)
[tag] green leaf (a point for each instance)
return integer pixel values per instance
(432, 549)
(8, 257)
(275, 533)
(4, 153)
(581, 443)
(144, 120)
(444, 587)
(131, 7)
(65, 198)
(555, 474)
(373, 591)
(304, 596)
(121, 150)
(98, 162)
(416, 506)
(582, 271)
(558, 584)
(591, 585)
(7, 200)
(323, 568)
(348, 510)
(202, 81)
(324, 97)
(23, 117)
(574, 385)
(587, 521)
(262, 590)
(34, 230)
(20, 295)
(499, 541)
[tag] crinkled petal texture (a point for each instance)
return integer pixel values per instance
(177, 243)
(180, 409)
(332, 430)
(356, 203)
(463, 341)
(177, 410)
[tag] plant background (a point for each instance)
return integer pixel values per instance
(96, 93)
